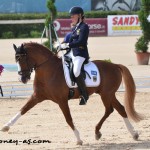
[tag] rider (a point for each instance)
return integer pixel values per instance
(78, 45)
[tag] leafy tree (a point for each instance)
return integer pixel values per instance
(52, 14)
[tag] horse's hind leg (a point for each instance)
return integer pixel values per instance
(31, 103)
(121, 110)
(66, 111)
(108, 110)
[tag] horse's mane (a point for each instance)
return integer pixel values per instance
(35, 46)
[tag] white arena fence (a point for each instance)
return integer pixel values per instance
(142, 84)
(25, 90)
(31, 21)
(15, 90)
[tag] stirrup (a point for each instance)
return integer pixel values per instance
(82, 101)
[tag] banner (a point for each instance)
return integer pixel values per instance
(97, 27)
(123, 25)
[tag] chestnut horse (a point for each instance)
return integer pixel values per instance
(49, 81)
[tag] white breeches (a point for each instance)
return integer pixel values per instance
(77, 63)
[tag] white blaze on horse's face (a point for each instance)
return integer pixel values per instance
(19, 68)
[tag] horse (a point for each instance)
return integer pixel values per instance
(49, 81)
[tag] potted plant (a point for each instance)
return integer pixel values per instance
(141, 46)
(142, 54)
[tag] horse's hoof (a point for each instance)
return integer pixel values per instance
(136, 136)
(79, 142)
(98, 136)
(5, 128)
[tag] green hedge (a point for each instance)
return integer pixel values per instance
(90, 14)
(21, 31)
(35, 30)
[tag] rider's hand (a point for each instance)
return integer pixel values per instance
(57, 46)
(64, 46)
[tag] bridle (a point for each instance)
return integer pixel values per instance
(27, 72)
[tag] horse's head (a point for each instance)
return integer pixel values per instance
(22, 60)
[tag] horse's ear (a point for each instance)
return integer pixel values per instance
(15, 47)
(22, 50)
(21, 46)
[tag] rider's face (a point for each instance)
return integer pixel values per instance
(74, 18)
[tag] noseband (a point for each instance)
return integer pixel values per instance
(29, 70)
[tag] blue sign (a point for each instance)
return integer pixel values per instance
(94, 73)
(40, 6)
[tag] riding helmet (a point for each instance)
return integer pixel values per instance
(76, 10)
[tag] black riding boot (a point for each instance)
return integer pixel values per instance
(82, 89)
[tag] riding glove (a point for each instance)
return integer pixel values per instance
(64, 46)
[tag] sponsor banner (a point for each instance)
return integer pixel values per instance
(98, 27)
(123, 25)
(62, 26)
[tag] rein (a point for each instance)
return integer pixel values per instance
(36, 67)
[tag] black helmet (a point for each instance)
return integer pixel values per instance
(76, 10)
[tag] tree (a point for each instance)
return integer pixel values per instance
(52, 14)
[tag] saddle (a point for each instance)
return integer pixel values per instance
(89, 71)
(69, 64)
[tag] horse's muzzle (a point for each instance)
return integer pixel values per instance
(24, 78)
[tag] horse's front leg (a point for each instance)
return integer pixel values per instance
(66, 111)
(30, 103)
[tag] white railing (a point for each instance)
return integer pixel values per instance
(16, 90)
(32, 21)
(23, 90)
(142, 83)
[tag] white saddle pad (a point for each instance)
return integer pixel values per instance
(90, 68)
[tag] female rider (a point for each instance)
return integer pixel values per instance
(78, 45)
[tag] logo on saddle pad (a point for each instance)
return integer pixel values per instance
(91, 72)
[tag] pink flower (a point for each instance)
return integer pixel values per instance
(1, 69)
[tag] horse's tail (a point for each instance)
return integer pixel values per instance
(130, 90)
